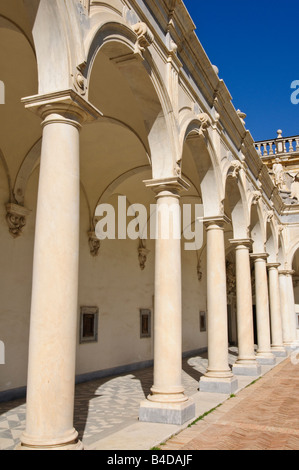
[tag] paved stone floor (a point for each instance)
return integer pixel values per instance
(264, 416)
(102, 406)
(106, 410)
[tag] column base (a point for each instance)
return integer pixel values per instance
(218, 385)
(70, 441)
(71, 446)
(290, 347)
(266, 359)
(250, 369)
(279, 351)
(167, 413)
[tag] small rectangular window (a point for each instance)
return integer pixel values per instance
(202, 321)
(89, 324)
(145, 323)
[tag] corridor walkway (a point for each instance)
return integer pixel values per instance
(264, 416)
(106, 410)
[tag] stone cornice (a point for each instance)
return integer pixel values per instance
(220, 221)
(174, 183)
(248, 242)
(64, 101)
(259, 256)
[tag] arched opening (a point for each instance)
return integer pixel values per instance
(295, 267)
(19, 130)
(118, 153)
(199, 171)
(235, 211)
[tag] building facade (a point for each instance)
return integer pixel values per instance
(115, 105)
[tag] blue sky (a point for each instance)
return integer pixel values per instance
(255, 46)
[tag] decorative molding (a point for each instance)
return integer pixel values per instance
(242, 116)
(142, 254)
(16, 219)
(256, 197)
(199, 271)
(144, 36)
(94, 244)
(270, 216)
(205, 122)
(236, 167)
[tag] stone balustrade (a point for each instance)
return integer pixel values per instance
(282, 146)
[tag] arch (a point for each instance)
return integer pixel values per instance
(29, 163)
(271, 241)
(116, 44)
(289, 257)
(235, 202)
(204, 155)
(6, 170)
(257, 228)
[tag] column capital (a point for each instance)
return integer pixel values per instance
(259, 256)
(219, 221)
(286, 272)
(66, 103)
(247, 242)
(172, 184)
(273, 265)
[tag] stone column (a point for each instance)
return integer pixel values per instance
(284, 305)
(264, 353)
(167, 402)
(246, 363)
(53, 322)
(288, 309)
(275, 312)
(218, 377)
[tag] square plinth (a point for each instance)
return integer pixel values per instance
(266, 361)
(249, 370)
(218, 385)
(167, 413)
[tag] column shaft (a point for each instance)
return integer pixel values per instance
(219, 377)
(246, 363)
(167, 402)
(264, 354)
(52, 345)
(168, 304)
(275, 312)
(292, 313)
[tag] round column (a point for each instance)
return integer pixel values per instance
(291, 307)
(167, 391)
(284, 304)
(246, 363)
(264, 353)
(218, 377)
(53, 322)
(275, 312)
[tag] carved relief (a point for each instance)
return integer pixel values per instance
(279, 176)
(256, 197)
(94, 244)
(205, 122)
(142, 254)
(16, 218)
(236, 167)
(144, 36)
